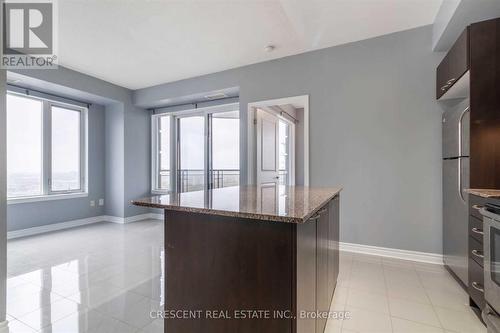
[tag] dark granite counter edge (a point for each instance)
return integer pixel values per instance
(254, 216)
(484, 193)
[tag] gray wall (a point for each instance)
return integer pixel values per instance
(27, 215)
(375, 128)
(115, 160)
(137, 158)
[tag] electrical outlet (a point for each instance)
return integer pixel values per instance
(101, 202)
(92, 203)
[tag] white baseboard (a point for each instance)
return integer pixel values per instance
(130, 219)
(77, 223)
(431, 258)
(4, 326)
(157, 216)
(53, 227)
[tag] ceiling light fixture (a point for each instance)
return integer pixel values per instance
(218, 95)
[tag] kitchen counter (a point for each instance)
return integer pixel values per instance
(272, 250)
(291, 204)
(485, 193)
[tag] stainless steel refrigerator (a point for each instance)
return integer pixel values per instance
(456, 124)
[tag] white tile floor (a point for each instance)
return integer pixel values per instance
(390, 295)
(100, 278)
(107, 278)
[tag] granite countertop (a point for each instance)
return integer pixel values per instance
(292, 204)
(484, 193)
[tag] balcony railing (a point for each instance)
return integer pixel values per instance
(194, 179)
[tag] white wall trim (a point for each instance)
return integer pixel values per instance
(157, 216)
(431, 258)
(130, 219)
(4, 326)
(77, 223)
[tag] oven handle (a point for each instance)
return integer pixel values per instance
(478, 254)
(477, 231)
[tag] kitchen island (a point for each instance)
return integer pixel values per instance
(249, 258)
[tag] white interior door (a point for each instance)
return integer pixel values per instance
(267, 148)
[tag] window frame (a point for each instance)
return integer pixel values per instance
(155, 153)
(47, 193)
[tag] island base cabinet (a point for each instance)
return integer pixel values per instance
(327, 259)
(228, 274)
(217, 266)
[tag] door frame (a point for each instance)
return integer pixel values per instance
(291, 153)
(251, 134)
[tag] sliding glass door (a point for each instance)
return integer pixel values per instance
(196, 149)
(225, 149)
(191, 163)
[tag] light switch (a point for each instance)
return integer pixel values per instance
(101, 202)
(92, 203)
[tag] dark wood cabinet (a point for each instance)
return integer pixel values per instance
(485, 104)
(333, 246)
(227, 264)
(476, 284)
(454, 65)
(322, 258)
(476, 228)
(475, 288)
(476, 252)
(327, 258)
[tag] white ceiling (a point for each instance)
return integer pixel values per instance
(141, 43)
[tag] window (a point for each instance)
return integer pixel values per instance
(191, 173)
(206, 149)
(24, 146)
(225, 149)
(65, 148)
(46, 148)
(161, 153)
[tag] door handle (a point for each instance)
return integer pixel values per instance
(478, 254)
(477, 231)
(477, 286)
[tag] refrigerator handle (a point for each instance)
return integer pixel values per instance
(460, 179)
(460, 131)
(460, 153)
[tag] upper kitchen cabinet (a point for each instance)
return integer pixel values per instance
(485, 104)
(454, 65)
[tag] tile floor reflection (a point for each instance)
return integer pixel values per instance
(108, 277)
(100, 278)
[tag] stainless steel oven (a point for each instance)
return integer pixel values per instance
(491, 221)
